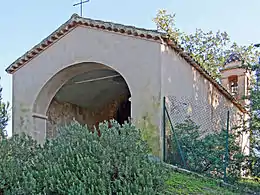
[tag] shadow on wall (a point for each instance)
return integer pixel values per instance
(212, 105)
(206, 106)
(91, 94)
(62, 113)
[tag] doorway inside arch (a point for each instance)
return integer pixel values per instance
(90, 98)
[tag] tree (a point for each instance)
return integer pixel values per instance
(209, 49)
(4, 116)
(254, 159)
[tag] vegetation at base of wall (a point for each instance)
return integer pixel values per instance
(150, 134)
(205, 155)
(182, 181)
(253, 164)
(149, 131)
(79, 161)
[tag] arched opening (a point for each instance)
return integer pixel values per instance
(87, 95)
(233, 84)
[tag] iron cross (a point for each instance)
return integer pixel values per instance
(81, 5)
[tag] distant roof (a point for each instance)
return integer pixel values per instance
(234, 57)
(76, 21)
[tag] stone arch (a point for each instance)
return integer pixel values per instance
(55, 83)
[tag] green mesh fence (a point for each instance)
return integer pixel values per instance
(197, 136)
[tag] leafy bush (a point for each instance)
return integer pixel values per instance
(205, 154)
(4, 116)
(79, 161)
(253, 165)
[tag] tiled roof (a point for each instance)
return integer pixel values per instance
(71, 24)
(234, 57)
(76, 20)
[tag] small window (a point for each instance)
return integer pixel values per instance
(233, 84)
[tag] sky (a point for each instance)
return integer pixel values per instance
(25, 23)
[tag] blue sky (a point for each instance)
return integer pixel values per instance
(25, 23)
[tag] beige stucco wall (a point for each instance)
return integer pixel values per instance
(137, 60)
(150, 69)
(191, 94)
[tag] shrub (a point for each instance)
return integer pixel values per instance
(253, 165)
(79, 161)
(206, 154)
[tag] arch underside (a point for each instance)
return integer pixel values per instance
(88, 93)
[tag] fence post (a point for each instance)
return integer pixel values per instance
(163, 130)
(176, 139)
(226, 150)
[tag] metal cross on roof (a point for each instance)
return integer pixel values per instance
(81, 5)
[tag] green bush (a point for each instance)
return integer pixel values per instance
(253, 164)
(79, 161)
(206, 154)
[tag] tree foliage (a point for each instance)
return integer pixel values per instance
(79, 161)
(4, 116)
(209, 49)
(254, 158)
(206, 154)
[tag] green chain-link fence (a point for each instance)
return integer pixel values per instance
(197, 137)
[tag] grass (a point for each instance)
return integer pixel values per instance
(250, 184)
(181, 183)
(185, 182)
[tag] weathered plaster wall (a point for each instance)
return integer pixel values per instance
(243, 82)
(192, 95)
(137, 60)
(62, 113)
(150, 69)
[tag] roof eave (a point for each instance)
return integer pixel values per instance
(53, 37)
(199, 68)
(73, 22)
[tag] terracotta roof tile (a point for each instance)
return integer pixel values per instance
(76, 20)
(72, 23)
